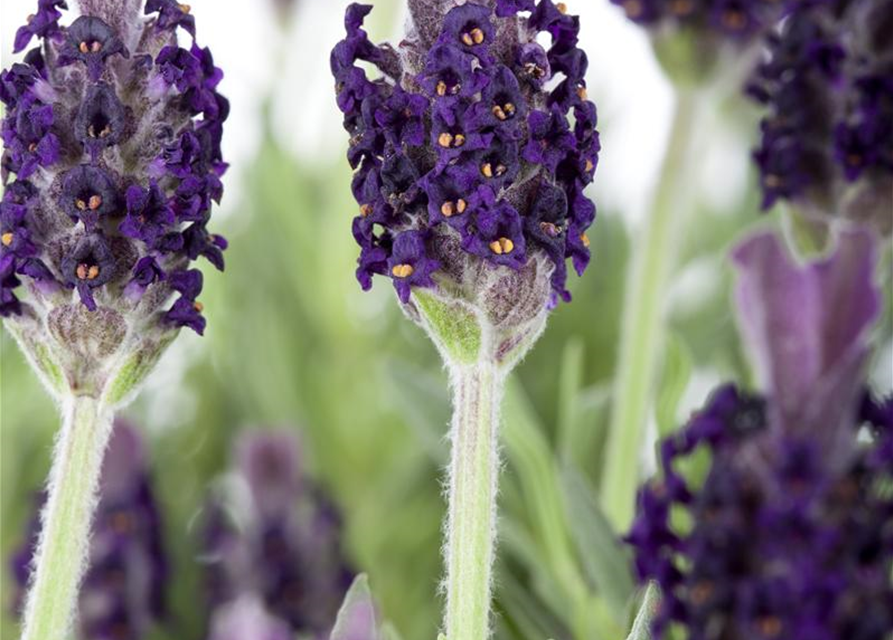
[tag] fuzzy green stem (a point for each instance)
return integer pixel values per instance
(471, 525)
(654, 260)
(62, 552)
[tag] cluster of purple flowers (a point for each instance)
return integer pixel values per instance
(782, 546)
(828, 86)
(728, 18)
(473, 140)
(788, 533)
(123, 593)
(272, 549)
(113, 135)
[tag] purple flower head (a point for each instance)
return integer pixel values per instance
(791, 532)
(452, 135)
(274, 539)
(111, 166)
(123, 593)
(827, 135)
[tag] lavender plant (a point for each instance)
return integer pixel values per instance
(124, 588)
(827, 136)
(789, 531)
(271, 544)
(113, 135)
(472, 146)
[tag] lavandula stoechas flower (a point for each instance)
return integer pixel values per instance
(790, 534)
(472, 146)
(827, 83)
(111, 162)
(274, 540)
(123, 592)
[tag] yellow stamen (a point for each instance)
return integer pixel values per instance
(80, 204)
(447, 209)
(96, 47)
(701, 592)
(94, 203)
(87, 272)
(458, 140)
(402, 270)
(477, 35)
(681, 7)
(735, 20)
(441, 88)
(562, 8)
(445, 139)
(500, 169)
(467, 39)
(365, 209)
(84, 47)
(772, 181)
(461, 205)
(589, 166)
(185, 8)
(498, 112)
(105, 131)
(582, 93)
(487, 170)
(32, 147)
(198, 306)
(584, 239)
(6, 238)
(502, 246)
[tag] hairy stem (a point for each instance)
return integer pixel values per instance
(654, 260)
(62, 552)
(471, 526)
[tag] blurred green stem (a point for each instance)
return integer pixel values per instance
(62, 552)
(471, 526)
(641, 341)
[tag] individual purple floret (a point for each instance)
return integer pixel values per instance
(123, 593)
(789, 534)
(455, 135)
(274, 540)
(111, 162)
(827, 84)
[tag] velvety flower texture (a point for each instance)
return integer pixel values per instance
(471, 142)
(272, 545)
(827, 84)
(123, 593)
(111, 162)
(789, 532)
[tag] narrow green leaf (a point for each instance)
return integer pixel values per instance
(603, 555)
(641, 629)
(569, 382)
(674, 380)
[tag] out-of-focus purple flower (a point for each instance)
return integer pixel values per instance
(456, 133)
(111, 126)
(123, 593)
(736, 19)
(827, 85)
(247, 619)
(790, 531)
(275, 538)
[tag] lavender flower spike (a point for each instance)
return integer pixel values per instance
(827, 136)
(124, 589)
(791, 531)
(272, 537)
(111, 162)
(473, 143)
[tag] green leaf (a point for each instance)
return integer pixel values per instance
(674, 381)
(603, 555)
(454, 327)
(641, 629)
(570, 380)
(356, 619)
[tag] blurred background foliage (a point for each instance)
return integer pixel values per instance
(293, 342)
